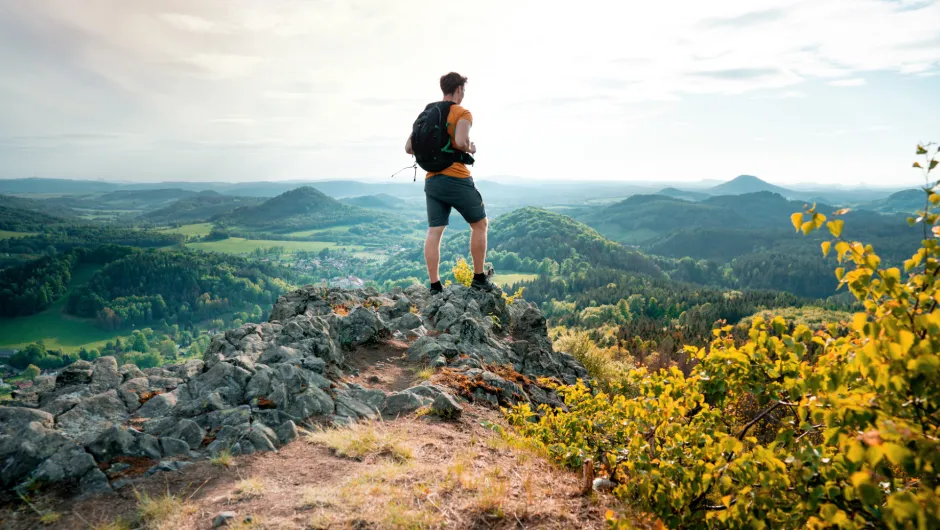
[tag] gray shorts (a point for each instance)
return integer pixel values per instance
(443, 193)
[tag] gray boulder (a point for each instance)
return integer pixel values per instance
(446, 406)
(173, 447)
(361, 326)
(130, 371)
(287, 432)
(402, 403)
(77, 373)
(105, 375)
(158, 406)
(92, 416)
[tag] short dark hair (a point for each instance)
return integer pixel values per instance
(451, 82)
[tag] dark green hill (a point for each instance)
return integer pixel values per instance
(642, 218)
(763, 208)
(304, 207)
(17, 220)
(538, 234)
(199, 207)
(683, 194)
(531, 236)
(37, 205)
(381, 201)
(906, 202)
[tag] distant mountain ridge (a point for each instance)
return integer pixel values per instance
(748, 184)
(202, 206)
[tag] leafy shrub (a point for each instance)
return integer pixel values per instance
(789, 429)
(31, 372)
(463, 273)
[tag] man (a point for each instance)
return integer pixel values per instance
(453, 187)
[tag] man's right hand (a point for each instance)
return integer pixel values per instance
(473, 148)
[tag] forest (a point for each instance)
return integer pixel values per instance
(176, 287)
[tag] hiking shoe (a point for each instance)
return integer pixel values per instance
(483, 285)
(435, 292)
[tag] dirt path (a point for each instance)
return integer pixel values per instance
(417, 472)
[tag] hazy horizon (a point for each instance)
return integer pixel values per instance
(830, 92)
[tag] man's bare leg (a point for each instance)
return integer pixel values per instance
(478, 245)
(432, 252)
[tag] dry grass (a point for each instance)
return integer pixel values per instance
(409, 473)
(364, 440)
(223, 459)
(161, 513)
(50, 518)
(492, 494)
(248, 523)
(249, 487)
(425, 373)
(120, 524)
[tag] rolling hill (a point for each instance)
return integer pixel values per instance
(676, 193)
(304, 207)
(19, 220)
(532, 234)
(124, 199)
(381, 201)
(906, 202)
(36, 205)
(642, 218)
(202, 206)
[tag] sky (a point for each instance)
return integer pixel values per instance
(818, 91)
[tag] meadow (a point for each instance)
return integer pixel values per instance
(509, 278)
(240, 245)
(193, 230)
(53, 326)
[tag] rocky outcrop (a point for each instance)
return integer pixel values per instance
(255, 384)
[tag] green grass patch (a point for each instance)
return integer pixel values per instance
(239, 245)
(197, 230)
(309, 233)
(5, 234)
(371, 254)
(509, 278)
(55, 327)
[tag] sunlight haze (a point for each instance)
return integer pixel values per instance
(824, 91)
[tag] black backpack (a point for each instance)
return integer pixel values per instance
(430, 142)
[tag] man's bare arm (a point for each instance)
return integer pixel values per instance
(408, 148)
(462, 137)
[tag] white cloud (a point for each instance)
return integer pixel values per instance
(332, 72)
(790, 94)
(855, 81)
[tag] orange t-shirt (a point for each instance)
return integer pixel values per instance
(456, 169)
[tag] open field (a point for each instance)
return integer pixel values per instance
(308, 233)
(4, 234)
(197, 230)
(57, 329)
(240, 245)
(509, 278)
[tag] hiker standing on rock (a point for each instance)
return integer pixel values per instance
(440, 143)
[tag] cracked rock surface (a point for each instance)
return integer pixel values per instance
(257, 383)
